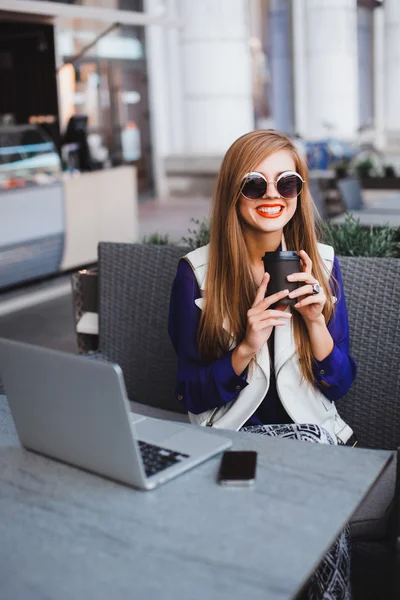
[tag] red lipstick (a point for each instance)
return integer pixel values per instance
(269, 216)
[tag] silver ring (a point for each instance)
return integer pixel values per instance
(316, 288)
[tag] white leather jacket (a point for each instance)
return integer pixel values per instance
(303, 402)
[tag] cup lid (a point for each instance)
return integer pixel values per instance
(281, 255)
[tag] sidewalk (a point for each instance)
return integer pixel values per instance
(172, 217)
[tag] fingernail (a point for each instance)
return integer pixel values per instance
(297, 305)
(291, 295)
(290, 277)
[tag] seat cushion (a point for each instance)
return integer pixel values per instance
(371, 518)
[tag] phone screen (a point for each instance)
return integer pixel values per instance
(238, 468)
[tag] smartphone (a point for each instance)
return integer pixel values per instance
(238, 468)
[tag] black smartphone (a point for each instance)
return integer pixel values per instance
(238, 468)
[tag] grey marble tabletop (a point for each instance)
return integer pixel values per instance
(66, 534)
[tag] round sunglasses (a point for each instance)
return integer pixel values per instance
(254, 185)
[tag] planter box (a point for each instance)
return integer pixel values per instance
(350, 192)
(380, 183)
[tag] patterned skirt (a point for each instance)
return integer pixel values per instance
(331, 581)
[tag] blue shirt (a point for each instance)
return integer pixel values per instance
(204, 386)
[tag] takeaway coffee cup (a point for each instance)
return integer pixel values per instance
(279, 265)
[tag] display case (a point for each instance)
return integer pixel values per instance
(31, 205)
(52, 221)
(28, 157)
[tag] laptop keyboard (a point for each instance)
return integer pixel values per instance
(156, 459)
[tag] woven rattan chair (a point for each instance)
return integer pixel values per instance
(372, 290)
(134, 289)
(372, 406)
(135, 283)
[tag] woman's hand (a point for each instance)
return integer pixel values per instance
(260, 321)
(312, 305)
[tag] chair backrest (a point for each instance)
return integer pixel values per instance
(135, 283)
(372, 406)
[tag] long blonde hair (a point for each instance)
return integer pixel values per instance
(230, 289)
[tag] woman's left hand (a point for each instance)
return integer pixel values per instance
(311, 306)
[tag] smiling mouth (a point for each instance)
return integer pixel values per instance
(272, 211)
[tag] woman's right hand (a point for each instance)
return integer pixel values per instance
(260, 322)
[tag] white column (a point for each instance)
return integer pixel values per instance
(332, 82)
(280, 56)
(175, 85)
(392, 71)
(261, 75)
(365, 65)
(300, 73)
(157, 67)
(379, 78)
(217, 87)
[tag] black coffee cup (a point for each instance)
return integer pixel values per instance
(279, 265)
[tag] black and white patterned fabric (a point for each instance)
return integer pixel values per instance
(331, 581)
(294, 431)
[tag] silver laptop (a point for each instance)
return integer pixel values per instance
(76, 410)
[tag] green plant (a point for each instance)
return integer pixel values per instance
(389, 171)
(397, 241)
(157, 239)
(364, 168)
(201, 236)
(353, 239)
(341, 169)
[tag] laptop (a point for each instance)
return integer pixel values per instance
(76, 410)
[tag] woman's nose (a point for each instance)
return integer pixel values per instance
(271, 191)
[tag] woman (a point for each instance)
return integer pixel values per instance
(245, 361)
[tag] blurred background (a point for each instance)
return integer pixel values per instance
(115, 115)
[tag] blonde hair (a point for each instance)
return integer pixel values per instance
(230, 289)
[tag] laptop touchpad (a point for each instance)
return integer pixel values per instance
(155, 431)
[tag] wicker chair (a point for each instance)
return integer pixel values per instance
(372, 407)
(134, 289)
(372, 289)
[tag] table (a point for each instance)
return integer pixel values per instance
(67, 534)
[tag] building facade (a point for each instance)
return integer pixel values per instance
(196, 75)
(314, 68)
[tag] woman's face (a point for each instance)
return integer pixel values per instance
(271, 212)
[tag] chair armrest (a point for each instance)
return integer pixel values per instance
(85, 309)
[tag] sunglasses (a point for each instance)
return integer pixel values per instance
(254, 185)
